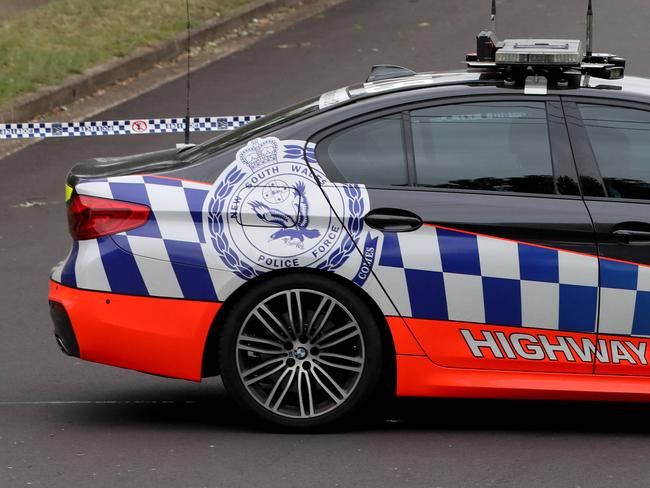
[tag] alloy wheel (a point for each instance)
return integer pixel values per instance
(300, 353)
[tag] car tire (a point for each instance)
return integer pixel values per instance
(316, 365)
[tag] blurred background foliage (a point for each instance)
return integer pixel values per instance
(43, 44)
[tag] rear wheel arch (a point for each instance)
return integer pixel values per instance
(210, 364)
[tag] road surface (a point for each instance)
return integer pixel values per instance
(66, 423)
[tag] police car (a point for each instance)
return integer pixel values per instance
(483, 233)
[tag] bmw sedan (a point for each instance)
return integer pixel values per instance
(432, 235)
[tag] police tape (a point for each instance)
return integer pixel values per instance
(33, 130)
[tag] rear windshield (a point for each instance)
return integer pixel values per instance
(252, 129)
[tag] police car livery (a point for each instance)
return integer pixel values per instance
(484, 233)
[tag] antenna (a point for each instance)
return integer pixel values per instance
(493, 16)
(487, 41)
(187, 107)
(590, 29)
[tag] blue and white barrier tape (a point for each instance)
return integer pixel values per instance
(32, 130)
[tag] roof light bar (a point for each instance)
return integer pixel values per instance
(545, 56)
(546, 52)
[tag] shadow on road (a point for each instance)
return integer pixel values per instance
(215, 410)
(520, 415)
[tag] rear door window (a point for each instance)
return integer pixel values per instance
(490, 146)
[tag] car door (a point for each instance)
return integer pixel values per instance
(487, 248)
(613, 154)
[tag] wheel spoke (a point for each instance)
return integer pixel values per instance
(262, 340)
(263, 365)
(322, 303)
(295, 319)
(277, 321)
(313, 333)
(268, 326)
(301, 315)
(301, 401)
(288, 371)
(260, 350)
(325, 362)
(338, 341)
(338, 330)
(310, 396)
(341, 391)
(286, 389)
(265, 375)
(336, 399)
(352, 359)
(260, 346)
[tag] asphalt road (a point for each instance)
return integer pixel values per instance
(64, 423)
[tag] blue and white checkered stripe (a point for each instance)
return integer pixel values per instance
(33, 130)
(166, 257)
(433, 273)
(444, 274)
(624, 298)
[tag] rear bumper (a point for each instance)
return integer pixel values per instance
(161, 336)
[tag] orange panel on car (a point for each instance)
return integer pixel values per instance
(162, 336)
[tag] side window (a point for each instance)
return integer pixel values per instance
(495, 146)
(371, 153)
(620, 139)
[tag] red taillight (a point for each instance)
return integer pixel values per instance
(92, 217)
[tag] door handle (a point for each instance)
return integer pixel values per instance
(393, 220)
(630, 236)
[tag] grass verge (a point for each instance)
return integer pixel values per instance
(44, 46)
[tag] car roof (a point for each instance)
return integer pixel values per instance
(629, 87)
(392, 85)
(633, 86)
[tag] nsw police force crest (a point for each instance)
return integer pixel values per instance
(274, 213)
